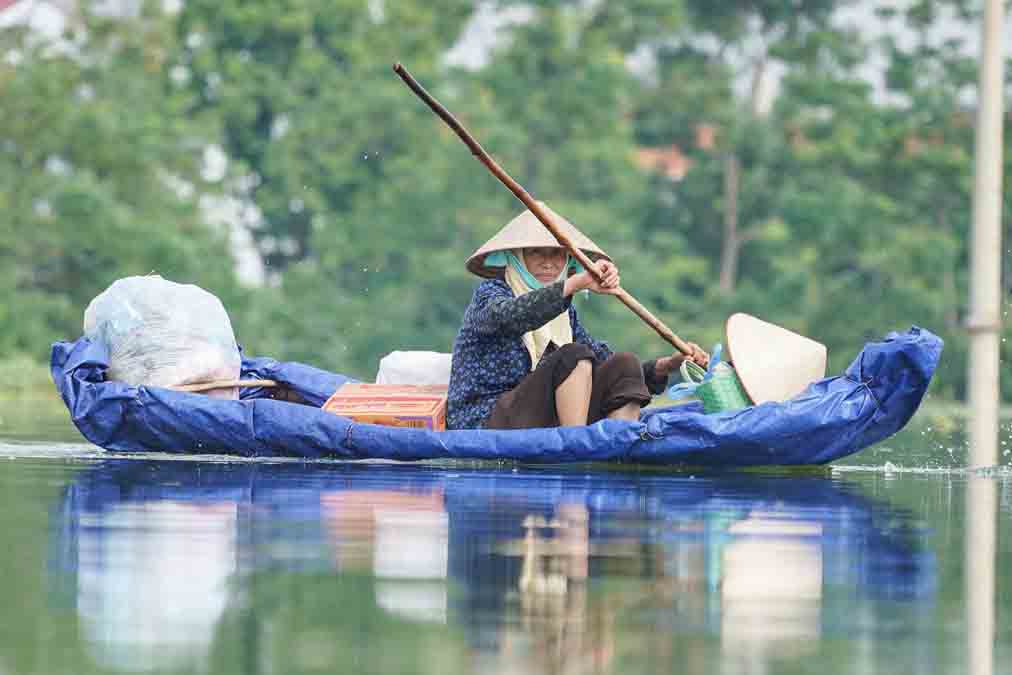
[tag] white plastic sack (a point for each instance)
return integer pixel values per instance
(414, 368)
(164, 334)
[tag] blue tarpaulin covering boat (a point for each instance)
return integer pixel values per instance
(832, 418)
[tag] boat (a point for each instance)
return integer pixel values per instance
(832, 418)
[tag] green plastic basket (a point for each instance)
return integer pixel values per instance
(722, 392)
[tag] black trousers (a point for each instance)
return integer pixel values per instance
(531, 404)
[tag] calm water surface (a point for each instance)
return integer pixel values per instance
(116, 565)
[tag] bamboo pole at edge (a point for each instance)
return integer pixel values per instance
(984, 324)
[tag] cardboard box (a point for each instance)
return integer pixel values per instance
(395, 405)
(410, 390)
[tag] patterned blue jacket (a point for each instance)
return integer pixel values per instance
(489, 357)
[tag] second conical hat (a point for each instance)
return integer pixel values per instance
(526, 231)
(773, 363)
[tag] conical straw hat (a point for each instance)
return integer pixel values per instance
(526, 231)
(773, 363)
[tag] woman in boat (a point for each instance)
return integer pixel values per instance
(522, 359)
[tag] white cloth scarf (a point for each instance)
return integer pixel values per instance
(558, 330)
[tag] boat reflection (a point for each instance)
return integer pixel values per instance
(400, 539)
(421, 569)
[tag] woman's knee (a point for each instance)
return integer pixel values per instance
(570, 356)
(569, 359)
(584, 368)
(576, 351)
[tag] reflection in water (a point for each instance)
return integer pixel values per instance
(414, 569)
(981, 528)
(152, 580)
(400, 538)
(771, 589)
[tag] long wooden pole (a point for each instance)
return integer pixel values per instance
(985, 342)
(223, 384)
(985, 319)
(543, 215)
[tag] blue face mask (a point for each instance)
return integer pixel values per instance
(504, 258)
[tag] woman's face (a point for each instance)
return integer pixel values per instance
(545, 263)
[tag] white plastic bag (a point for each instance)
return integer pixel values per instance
(164, 334)
(414, 368)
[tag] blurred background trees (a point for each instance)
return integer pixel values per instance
(99, 176)
(809, 162)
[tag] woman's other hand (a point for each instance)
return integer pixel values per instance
(609, 284)
(669, 364)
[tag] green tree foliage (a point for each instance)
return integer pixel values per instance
(99, 177)
(351, 173)
(308, 105)
(853, 204)
(896, 171)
